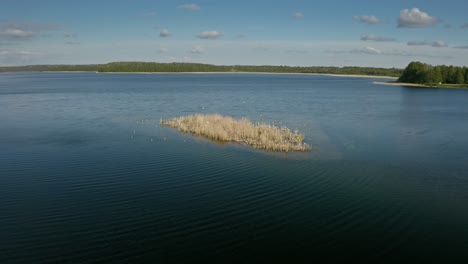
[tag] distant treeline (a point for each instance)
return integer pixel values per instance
(39, 68)
(418, 72)
(198, 67)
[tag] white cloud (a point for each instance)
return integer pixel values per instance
(165, 33)
(15, 34)
(12, 31)
(192, 7)
(367, 50)
(363, 50)
(197, 50)
(439, 43)
(261, 48)
(17, 56)
(69, 35)
(419, 43)
(150, 14)
(394, 52)
(72, 43)
(375, 38)
(17, 52)
(210, 34)
(371, 20)
(163, 50)
(296, 51)
(298, 15)
(415, 18)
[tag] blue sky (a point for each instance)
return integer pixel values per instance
(256, 32)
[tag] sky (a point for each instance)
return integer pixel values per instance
(256, 32)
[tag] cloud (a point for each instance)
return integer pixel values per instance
(367, 50)
(296, 51)
(12, 31)
(165, 33)
(150, 14)
(298, 15)
(419, 43)
(261, 48)
(192, 7)
(376, 38)
(461, 47)
(69, 35)
(439, 43)
(17, 56)
(415, 18)
(447, 26)
(197, 50)
(72, 43)
(371, 20)
(15, 34)
(436, 44)
(210, 34)
(163, 50)
(464, 25)
(17, 52)
(29, 26)
(395, 52)
(6, 43)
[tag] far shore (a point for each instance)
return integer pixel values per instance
(273, 73)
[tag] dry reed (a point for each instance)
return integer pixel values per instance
(225, 128)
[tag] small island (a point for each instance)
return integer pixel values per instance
(418, 74)
(228, 129)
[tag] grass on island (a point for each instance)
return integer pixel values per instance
(228, 129)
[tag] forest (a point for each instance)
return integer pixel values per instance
(198, 67)
(422, 73)
(58, 67)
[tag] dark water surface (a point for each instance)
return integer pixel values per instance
(88, 175)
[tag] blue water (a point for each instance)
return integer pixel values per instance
(88, 175)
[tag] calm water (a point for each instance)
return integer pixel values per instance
(88, 175)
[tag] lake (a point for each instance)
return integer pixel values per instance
(88, 175)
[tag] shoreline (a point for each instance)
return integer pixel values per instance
(390, 83)
(272, 73)
(269, 73)
(403, 84)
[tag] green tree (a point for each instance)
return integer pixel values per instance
(452, 74)
(436, 75)
(466, 75)
(416, 72)
(460, 78)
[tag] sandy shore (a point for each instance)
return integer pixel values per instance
(401, 84)
(273, 73)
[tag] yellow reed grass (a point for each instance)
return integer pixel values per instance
(225, 128)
